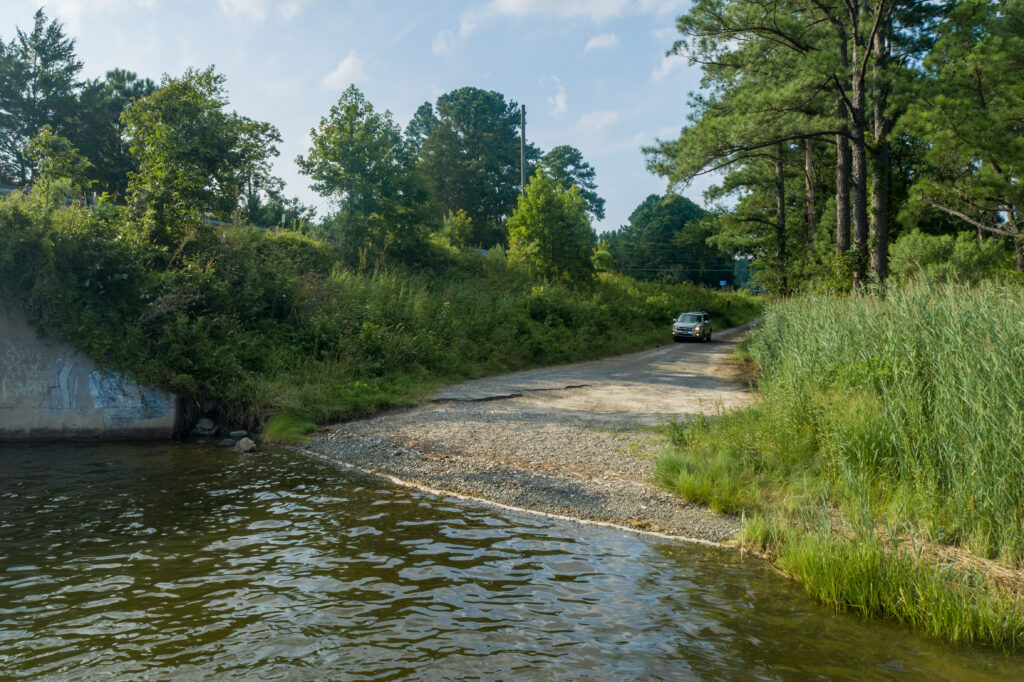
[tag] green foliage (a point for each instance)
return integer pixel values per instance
(420, 127)
(815, 91)
(457, 228)
(288, 427)
(38, 72)
(59, 172)
(97, 131)
(873, 578)
(469, 152)
(550, 231)
(358, 158)
(667, 239)
(967, 107)
(565, 165)
(962, 258)
(196, 160)
(602, 258)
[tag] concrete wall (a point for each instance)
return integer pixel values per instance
(48, 391)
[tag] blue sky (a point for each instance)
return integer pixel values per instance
(592, 73)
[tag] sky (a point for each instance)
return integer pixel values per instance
(592, 73)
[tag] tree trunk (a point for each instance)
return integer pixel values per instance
(780, 221)
(809, 180)
(1018, 247)
(881, 167)
(843, 164)
(858, 177)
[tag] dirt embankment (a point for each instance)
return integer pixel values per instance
(572, 441)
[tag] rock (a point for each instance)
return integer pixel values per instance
(245, 445)
(204, 427)
(239, 435)
(226, 443)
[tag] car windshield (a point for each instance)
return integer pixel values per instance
(689, 318)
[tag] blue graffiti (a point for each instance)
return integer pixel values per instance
(124, 401)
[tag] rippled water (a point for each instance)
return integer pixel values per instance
(174, 561)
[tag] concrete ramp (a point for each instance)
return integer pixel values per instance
(48, 391)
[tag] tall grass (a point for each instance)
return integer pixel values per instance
(923, 392)
(903, 413)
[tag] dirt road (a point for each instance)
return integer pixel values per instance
(571, 441)
(649, 387)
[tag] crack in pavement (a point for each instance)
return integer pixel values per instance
(514, 393)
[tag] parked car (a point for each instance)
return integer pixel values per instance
(692, 325)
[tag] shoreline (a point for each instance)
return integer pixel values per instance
(521, 510)
(573, 442)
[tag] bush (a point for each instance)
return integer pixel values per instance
(947, 258)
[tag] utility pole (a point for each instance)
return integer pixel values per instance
(522, 148)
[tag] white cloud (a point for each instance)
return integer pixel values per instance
(601, 42)
(669, 34)
(70, 12)
(596, 121)
(444, 43)
(259, 10)
(469, 23)
(593, 10)
(666, 66)
(663, 7)
(558, 103)
(349, 70)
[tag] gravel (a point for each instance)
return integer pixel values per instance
(525, 452)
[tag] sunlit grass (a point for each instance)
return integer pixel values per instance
(898, 412)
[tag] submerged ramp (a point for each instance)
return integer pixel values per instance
(49, 391)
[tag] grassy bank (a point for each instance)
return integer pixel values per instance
(884, 466)
(273, 323)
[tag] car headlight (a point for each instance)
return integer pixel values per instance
(696, 329)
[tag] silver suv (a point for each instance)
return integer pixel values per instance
(694, 325)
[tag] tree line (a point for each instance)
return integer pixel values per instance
(177, 158)
(837, 125)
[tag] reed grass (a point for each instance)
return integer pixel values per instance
(904, 411)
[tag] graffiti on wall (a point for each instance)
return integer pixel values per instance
(123, 401)
(30, 378)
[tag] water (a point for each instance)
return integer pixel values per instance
(174, 561)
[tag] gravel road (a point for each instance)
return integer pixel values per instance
(571, 441)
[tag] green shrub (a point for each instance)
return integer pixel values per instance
(945, 257)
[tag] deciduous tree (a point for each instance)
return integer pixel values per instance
(59, 172)
(195, 158)
(358, 158)
(550, 230)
